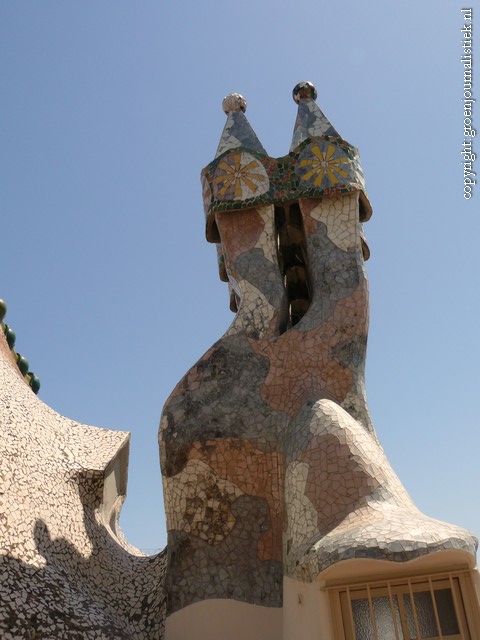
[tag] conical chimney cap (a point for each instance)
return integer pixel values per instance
(237, 131)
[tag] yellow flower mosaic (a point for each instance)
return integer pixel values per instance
(323, 165)
(239, 176)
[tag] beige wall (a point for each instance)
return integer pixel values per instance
(224, 620)
(305, 616)
(306, 612)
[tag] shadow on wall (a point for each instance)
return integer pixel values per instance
(106, 593)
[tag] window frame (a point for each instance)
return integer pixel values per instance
(459, 582)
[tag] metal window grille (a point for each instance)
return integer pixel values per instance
(418, 608)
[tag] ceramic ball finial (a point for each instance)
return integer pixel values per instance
(304, 91)
(234, 102)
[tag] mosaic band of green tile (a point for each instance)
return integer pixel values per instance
(243, 178)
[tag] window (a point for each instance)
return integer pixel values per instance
(421, 608)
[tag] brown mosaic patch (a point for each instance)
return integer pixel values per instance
(336, 482)
(255, 473)
(239, 230)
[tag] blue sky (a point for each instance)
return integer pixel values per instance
(109, 111)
